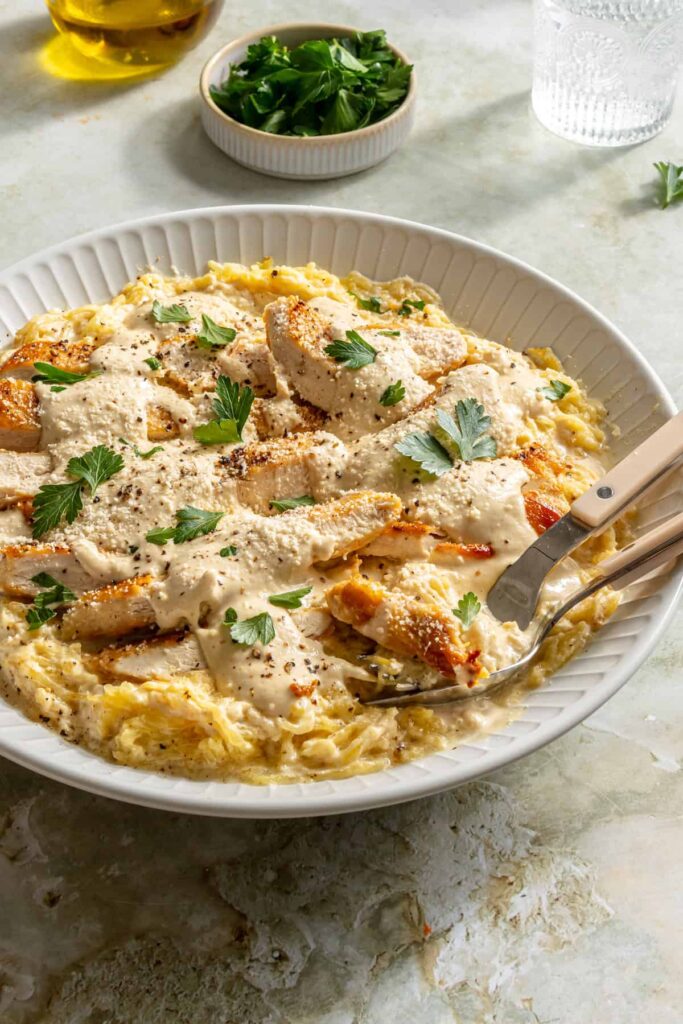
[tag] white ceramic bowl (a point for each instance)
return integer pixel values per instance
(484, 289)
(282, 156)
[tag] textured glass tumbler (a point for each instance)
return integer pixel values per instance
(605, 71)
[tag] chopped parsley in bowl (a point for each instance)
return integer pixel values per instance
(318, 87)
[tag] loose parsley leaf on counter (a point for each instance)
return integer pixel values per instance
(290, 599)
(556, 390)
(392, 395)
(285, 504)
(353, 353)
(468, 434)
(60, 379)
(173, 314)
(258, 629)
(468, 609)
(46, 603)
(321, 87)
(670, 183)
(408, 306)
(232, 406)
(212, 335)
(191, 523)
(56, 501)
(372, 303)
(429, 453)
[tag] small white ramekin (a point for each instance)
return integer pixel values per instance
(284, 156)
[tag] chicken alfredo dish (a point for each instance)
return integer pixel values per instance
(233, 505)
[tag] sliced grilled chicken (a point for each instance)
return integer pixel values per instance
(339, 527)
(284, 415)
(415, 541)
(281, 468)
(19, 563)
(114, 610)
(157, 658)
(21, 474)
(400, 623)
(299, 337)
(19, 421)
(70, 355)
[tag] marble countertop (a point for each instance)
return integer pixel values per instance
(550, 893)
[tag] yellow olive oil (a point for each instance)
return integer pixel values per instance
(139, 35)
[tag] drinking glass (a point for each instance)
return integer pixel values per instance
(605, 71)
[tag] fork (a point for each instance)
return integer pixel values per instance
(655, 548)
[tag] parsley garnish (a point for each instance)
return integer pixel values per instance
(390, 334)
(228, 552)
(408, 305)
(392, 395)
(556, 390)
(229, 617)
(56, 501)
(153, 363)
(291, 598)
(190, 523)
(284, 504)
(468, 609)
(670, 184)
(320, 87)
(214, 336)
(372, 303)
(142, 455)
(60, 379)
(353, 353)
(468, 433)
(45, 604)
(173, 314)
(258, 629)
(424, 449)
(232, 406)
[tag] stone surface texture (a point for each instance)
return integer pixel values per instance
(551, 893)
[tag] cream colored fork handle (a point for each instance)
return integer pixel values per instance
(655, 548)
(629, 478)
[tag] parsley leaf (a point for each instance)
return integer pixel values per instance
(284, 504)
(229, 617)
(409, 305)
(56, 501)
(173, 314)
(228, 552)
(258, 629)
(390, 334)
(291, 598)
(153, 363)
(190, 523)
(670, 183)
(60, 379)
(424, 449)
(212, 335)
(232, 406)
(96, 466)
(392, 395)
(468, 609)
(372, 303)
(142, 455)
(556, 390)
(468, 433)
(353, 353)
(45, 604)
